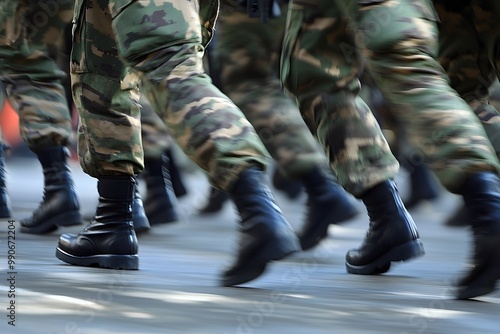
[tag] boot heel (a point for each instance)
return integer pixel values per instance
(124, 262)
(407, 251)
(280, 246)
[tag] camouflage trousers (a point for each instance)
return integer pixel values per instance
(30, 37)
(397, 42)
(123, 43)
(468, 35)
(246, 54)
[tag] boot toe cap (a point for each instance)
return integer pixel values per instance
(76, 245)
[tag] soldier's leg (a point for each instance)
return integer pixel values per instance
(405, 69)
(106, 95)
(466, 62)
(32, 79)
(422, 184)
(441, 124)
(248, 53)
(167, 54)
(320, 67)
(205, 123)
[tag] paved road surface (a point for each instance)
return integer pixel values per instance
(176, 289)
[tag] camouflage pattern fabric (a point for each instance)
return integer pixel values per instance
(468, 33)
(246, 53)
(398, 42)
(320, 66)
(30, 31)
(159, 44)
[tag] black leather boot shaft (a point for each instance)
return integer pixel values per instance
(424, 186)
(109, 241)
(175, 175)
(141, 222)
(392, 234)
(60, 205)
(116, 194)
(265, 234)
(481, 193)
(292, 188)
(5, 208)
(327, 203)
(160, 202)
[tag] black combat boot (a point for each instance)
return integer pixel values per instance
(392, 234)
(175, 175)
(109, 241)
(160, 202)
(215, 201)
(423, 186)
(481, 193)
(5, 209)
(140, 220)
(60, 206)
(327, 203)
(291, 188)
(265, 234)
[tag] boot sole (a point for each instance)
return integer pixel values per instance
(64, 219)
(403, 252)
(257, 266)
(109, 261)
(483, 285)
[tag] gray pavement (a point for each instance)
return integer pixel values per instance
(176, 289)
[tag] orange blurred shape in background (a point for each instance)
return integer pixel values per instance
(9, 122)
